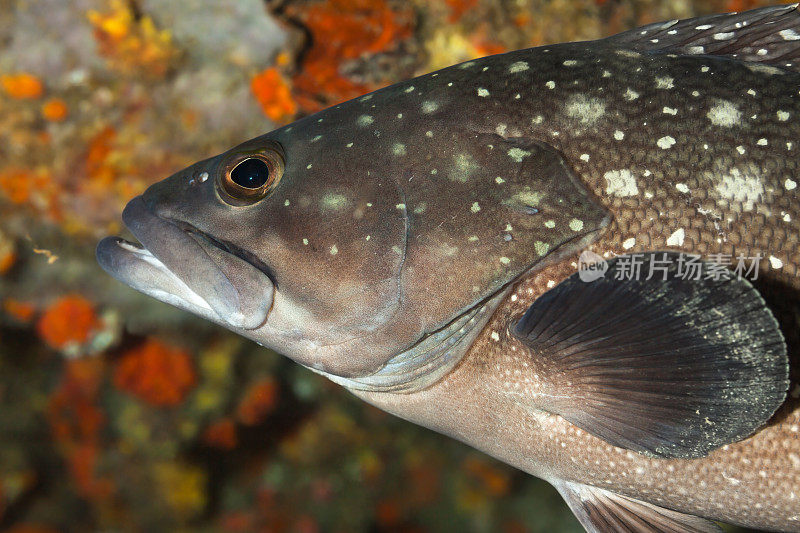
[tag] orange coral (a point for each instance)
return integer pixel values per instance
(55, 110)
(76, 421)
(343, 30)
(69, 320)
(273, 94)
(22, 86)
(221, 434)
(459, 7)
(22, 311)
(132, 44)
(7, 260)
(257, 403)
(158, 374)
(97, 165)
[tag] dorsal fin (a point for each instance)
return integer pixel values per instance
(769, 35)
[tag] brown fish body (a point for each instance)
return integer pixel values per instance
(419, 245)
(675, 197)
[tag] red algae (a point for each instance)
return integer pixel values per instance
(258, 402)
(221, 434)
(344, 30)
(76, 421)
(156, 373)
(69, 320)
(20, 310)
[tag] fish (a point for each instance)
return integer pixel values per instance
(582, 259)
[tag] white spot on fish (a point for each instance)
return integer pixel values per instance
(669, 111)
(203, 177)
(762, 142)
(695, 93)
(495, 336)
(538, 119)
(606, 74)
(401, 207)
(724, 114)
(570, 63)
(575, 224)
(790, 184)
(751, 92)
(723, 36)
(399, 115)
(315, 139)
(676, 239)
(499, 180)
(334, 250)
(738, 187)
(519, 66)
(305, 242)
(740, 149)
(541, 247)
(629, 243)
(308, 166)
(399, 149)
(682, 187)
(783, 116)
(696, 50)
(664, 82)
(630, 95)
(483, 92)
(621, 183)
(550, 224)
(365, 98)
(475, 207)
(287, 203)
(585, 157)
(517, 154)
(665, 142)
(760, 68)
(705, 68)
(550, 84)
(789, 35)
(348, 145)
(704, 27)
(365, 120)
(410, 89)
(618, 135)
(334, 201)
(428, 133)
(429, 107)
(587, 110)
(505, 261)
(501, 129)
(775, 263)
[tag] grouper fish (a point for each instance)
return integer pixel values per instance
(582, 259)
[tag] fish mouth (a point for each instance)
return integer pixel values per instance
(181, 265)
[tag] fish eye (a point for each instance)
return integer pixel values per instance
(250, 177)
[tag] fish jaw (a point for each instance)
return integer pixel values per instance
(179, 265)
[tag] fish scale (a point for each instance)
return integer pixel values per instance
(419, 246)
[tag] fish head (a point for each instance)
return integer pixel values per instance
(351, 236)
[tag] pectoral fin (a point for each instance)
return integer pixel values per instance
(601, 511)
(666, 366)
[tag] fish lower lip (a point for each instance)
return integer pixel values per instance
(177, 265)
